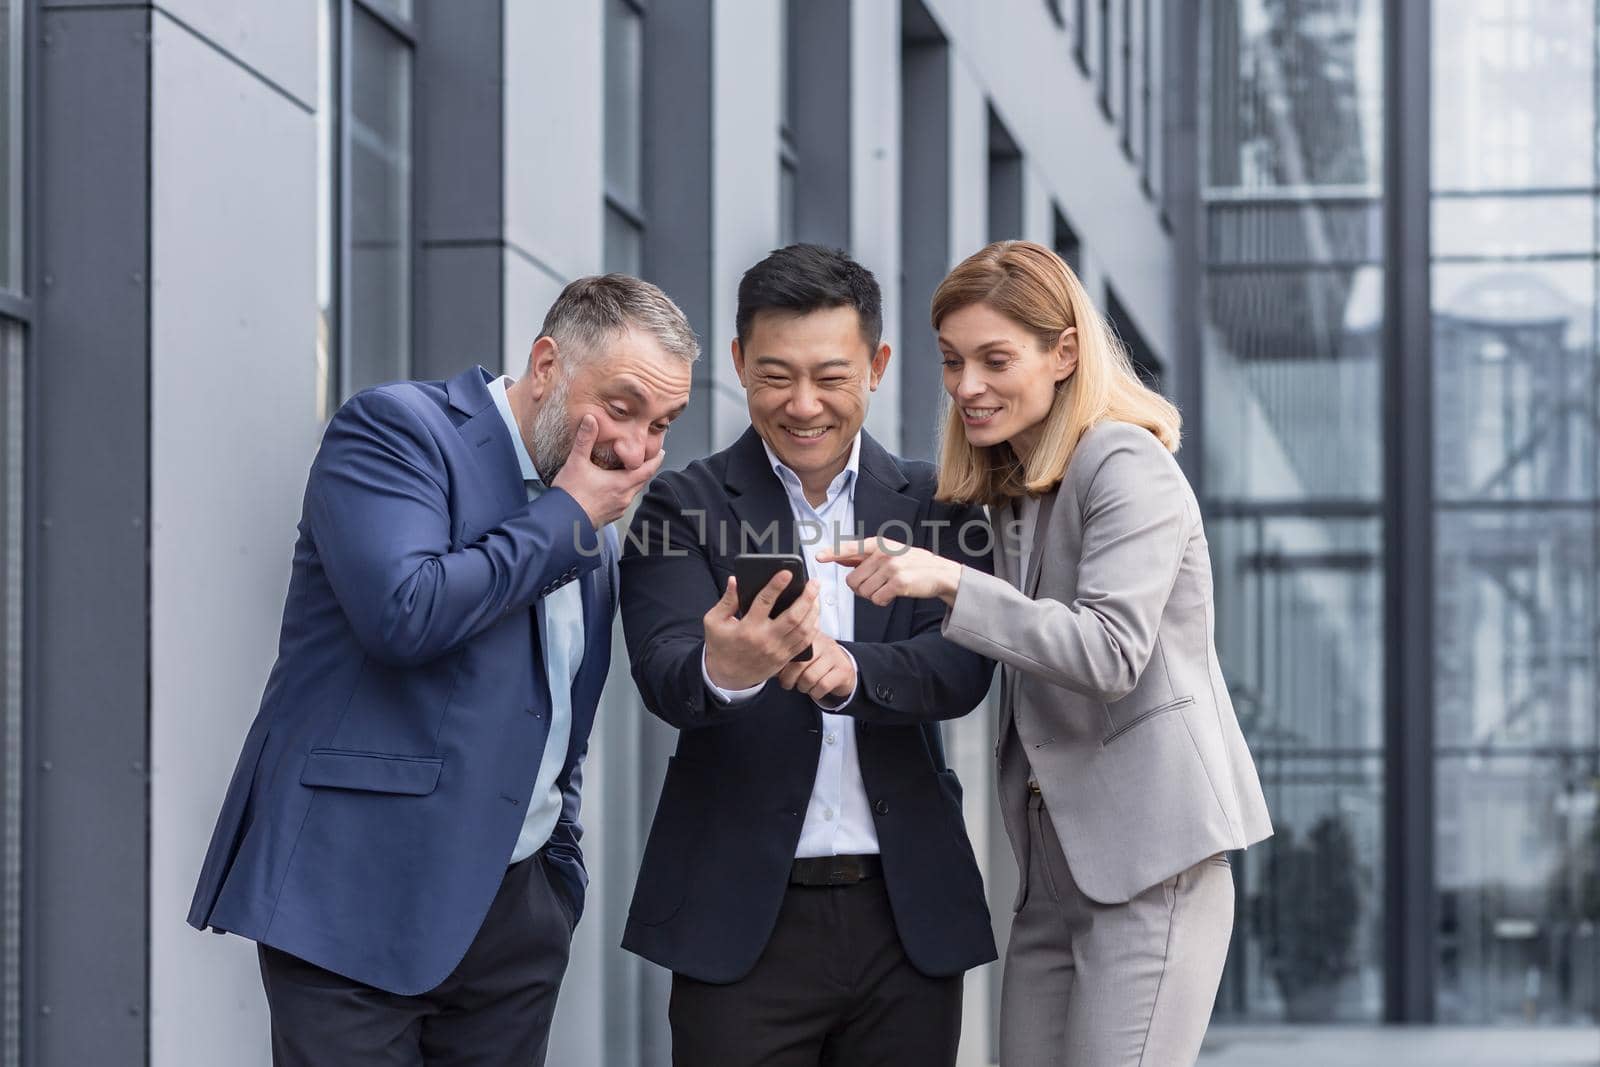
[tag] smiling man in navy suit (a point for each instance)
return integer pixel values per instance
(808, 877)
(401, 833)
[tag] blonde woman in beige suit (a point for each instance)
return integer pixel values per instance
(1124, 778)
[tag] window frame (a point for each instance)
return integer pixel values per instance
(336, 383)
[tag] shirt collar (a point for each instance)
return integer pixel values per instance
(502, 403)
(843, 480)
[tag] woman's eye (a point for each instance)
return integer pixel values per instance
(952, 364)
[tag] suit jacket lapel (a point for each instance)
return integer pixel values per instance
(880, 502)
(1041, 527)
(757, 499)
(485, 431)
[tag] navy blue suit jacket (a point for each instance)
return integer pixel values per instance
(386, 776)
(717, 862)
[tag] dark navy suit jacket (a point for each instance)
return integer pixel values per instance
(717, 862)
(384, 781)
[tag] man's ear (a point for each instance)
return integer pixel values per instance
(880, 363)
(543, 364)
(738, 362)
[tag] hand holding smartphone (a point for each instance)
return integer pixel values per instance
(753, 570)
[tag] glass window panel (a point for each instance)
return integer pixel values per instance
(380, 205)
(1519, 889)
(1295, 96)
(1252, 229)
(1514, 381)
(624, 244)
(1480, 226)
(1080, 34)
(790, 69)
(1293, 373)
(624, 102)
(1103, 29)
(1517, 610)
(10, 692)
(1517, 537)
(11, 70)
(1300, 632)
(1513, 94)
(788, 177)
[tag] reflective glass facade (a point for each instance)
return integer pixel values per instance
(1298, 403)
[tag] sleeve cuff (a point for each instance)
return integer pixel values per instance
(726, 696)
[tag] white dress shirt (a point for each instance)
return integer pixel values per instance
(838, 819)
(560, 617)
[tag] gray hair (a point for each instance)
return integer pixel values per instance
(592, 310)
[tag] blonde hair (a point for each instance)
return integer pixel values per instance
(1033, 286)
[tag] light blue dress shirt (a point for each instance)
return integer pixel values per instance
(838, 818)
(560, 618)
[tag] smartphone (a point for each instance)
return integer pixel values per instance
(753, 570)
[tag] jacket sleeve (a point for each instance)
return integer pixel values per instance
(667, 588)
(1136, 522)
(926, 676)
(379, 517)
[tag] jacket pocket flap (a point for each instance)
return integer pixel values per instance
(371, 771)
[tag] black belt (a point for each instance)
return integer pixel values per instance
(835, 870)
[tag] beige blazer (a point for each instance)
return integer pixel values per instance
(1111, 696)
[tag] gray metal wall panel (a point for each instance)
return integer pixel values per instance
(820, 31)
(232, 267)
(85, 978)
(458, 95)
(460, 300)
(924, 228)
(268, 39)
(678, 193)
(459, 185)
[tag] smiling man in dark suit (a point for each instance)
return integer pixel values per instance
(808, 877)
(401, 834)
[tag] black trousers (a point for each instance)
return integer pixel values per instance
(494, 1009)
(832, 989)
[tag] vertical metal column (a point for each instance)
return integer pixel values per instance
(1411, 912)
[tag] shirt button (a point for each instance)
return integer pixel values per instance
(830, 600)
(829, 739)
(827, 813)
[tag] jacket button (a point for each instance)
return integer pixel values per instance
(689, 704)
(881, 807)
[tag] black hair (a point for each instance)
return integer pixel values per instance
(803, 278)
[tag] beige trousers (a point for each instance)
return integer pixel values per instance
(1111, 985)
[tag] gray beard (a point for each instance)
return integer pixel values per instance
(553, 431)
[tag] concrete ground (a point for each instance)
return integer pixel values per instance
(1329, 1046)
